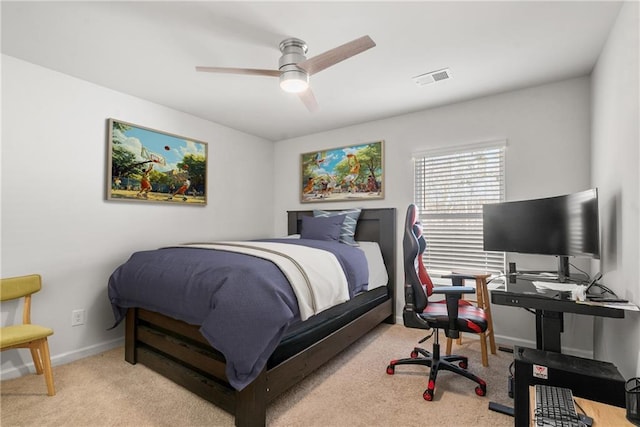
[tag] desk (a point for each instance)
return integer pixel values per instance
(603, 415)
(549, 310)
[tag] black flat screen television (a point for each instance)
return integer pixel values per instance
(562, 226)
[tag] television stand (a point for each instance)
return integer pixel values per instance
(563, 269)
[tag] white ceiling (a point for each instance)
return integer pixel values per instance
(150, 49)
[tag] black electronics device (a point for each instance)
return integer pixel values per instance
(503, 409)
(600, 299)
(587, 378)
(586, 420)
(561, 226)
(554, 406)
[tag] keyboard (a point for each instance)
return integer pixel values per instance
(555, 408)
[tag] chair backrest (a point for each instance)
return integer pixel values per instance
(413, 246)
(18, 287)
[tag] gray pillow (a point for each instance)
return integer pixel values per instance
(348, 231)
(321, 228)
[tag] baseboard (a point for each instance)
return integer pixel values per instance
(511, 341)
(62, 359)
(502, 340)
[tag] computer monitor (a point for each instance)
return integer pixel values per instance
(561, 226)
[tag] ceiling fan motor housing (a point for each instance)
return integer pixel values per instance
(294, 68)
(293, 52)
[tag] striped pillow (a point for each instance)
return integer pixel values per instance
(348, 231)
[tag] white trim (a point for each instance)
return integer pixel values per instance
(506, 341)
(453, 149)
(62, 359)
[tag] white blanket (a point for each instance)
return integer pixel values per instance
(316, 276)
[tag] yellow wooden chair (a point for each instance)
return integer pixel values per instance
(26, 335)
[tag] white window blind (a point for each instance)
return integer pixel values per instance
(450, 189)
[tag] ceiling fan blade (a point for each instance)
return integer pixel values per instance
(309, 100)
(335, 55)
(250, 71)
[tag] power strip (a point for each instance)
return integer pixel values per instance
(503, 409)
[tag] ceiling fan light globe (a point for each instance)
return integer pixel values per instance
(294, 81)
(294, 86)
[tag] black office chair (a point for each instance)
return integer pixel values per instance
(449, 314)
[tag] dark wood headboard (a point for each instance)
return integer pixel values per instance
(374, 225)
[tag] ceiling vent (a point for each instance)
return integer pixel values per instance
(432, 77)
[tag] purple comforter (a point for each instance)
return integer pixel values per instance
(242, 303)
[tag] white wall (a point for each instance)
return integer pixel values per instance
(616, 160)
(56, 222)
(548, 133)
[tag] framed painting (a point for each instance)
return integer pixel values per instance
(149, 166)
(354, 172)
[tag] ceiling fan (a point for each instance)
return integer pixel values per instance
(294, 68)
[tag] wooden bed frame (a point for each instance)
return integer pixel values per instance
(179, 352)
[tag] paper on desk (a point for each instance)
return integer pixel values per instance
(619, 305)
(555, 286)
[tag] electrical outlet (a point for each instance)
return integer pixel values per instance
(77, 317)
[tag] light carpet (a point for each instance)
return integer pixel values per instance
(353, 389)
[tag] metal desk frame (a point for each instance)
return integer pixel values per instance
(549, 309)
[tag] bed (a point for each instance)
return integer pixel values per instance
(179, 351)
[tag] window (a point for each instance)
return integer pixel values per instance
(450, 189)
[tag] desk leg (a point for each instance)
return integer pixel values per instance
(549, 326)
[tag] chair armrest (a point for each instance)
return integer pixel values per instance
(447, 290)
(453, 295)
